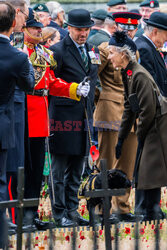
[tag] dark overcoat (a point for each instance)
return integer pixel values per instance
(98, 38)
(68, 126)
(151, 127)
(152, 61)
(14, 71)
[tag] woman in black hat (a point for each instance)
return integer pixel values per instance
(142, 101)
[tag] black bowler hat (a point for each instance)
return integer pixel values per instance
(120, 39)
(99, 14)
(79, 18)
(158, 20)
(116, 2)
(149, 3)
(126, 20)
(33, 19)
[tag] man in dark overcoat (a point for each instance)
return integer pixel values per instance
(148, 44)
(69, 136)
(15, 156)
(11, 73)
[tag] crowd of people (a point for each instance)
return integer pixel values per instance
(46, 105)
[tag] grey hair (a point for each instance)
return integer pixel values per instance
(109, 21)
(131, 55)
(98, 22)
(148, 28)
(54, 8)
(17, 3)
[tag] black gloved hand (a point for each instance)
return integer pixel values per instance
(118, 148)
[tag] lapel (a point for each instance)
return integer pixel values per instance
(75, 53)
(155, 52)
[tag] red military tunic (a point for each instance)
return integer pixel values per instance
(37, 106)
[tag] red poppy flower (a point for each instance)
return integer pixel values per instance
(100, 232)
(45, 238)
(142, 231)
(152, 226)
(127, 230)
(82, 212)
(112, 238)
(160, 226)
(82, 237)
(93, 49)
(129, 72)
(67, 238)
(94, 153)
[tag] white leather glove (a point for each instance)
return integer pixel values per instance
(83, 90)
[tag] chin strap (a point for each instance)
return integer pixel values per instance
(33, 37)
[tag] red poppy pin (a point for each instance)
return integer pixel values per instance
(129, 72)
(94, 153)
(93, 49)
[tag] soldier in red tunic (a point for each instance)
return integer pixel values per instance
(37, 109)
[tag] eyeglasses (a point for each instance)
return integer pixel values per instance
(24, 14)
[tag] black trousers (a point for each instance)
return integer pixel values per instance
(67, 171)
(3, 197)
(147, 201)
(34, 164)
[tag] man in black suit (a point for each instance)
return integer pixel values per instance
(69, 137)
(15, 156)
(11, 74)
(148, 45)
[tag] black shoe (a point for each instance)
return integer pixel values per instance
(29, 228)
(154, 216)
(65, 222)
(113, 219)
(43, 225)
(12, 225)
(75, 216)
(11, 231)
(129, 217)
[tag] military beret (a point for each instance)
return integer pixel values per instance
(40, 7)
(99, 14)
(116, 2)
(149, 3)
(33, 19)
(127, 20)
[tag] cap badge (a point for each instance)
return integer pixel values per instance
(152, 4)
(129, 21)
(36, 17)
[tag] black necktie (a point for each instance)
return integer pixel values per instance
(84, 57)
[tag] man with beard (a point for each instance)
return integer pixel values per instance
(37, 107)
(69, 142)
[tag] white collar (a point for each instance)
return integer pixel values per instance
(4, 36)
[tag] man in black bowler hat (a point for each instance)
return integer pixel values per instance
(69, 142)
(148, 45)
(116, 5)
